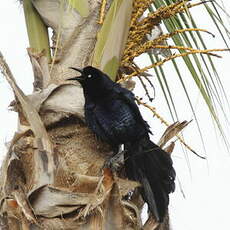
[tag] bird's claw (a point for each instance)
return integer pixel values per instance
(115, 163)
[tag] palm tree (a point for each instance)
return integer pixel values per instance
(52, 176)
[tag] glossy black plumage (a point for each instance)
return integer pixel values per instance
(112, 114)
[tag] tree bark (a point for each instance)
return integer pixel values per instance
(53, 177)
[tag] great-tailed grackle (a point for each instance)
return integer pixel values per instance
(112, 114)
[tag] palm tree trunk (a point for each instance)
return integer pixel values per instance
(52, 176)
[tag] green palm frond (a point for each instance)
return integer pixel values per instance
(36, 29)
(187, 39)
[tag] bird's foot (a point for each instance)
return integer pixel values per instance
(115, 162)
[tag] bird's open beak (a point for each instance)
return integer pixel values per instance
(78, 78)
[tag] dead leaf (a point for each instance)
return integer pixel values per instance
(44, 149)
(169, 149)
(114, 211)
(49, 201)
(150, 224)
(172, 131)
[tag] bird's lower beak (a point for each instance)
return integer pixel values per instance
(78, 78)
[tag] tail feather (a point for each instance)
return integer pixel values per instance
(152, 167)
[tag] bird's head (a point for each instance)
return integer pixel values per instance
(89, 75)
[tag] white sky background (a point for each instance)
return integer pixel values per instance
(207, 187)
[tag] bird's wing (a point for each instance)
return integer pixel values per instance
(129, 98)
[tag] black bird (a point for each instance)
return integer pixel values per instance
(112, 114)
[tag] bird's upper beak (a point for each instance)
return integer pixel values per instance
(78, 78)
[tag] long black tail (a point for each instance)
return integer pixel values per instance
(152, 167)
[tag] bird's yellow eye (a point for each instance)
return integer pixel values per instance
(89, 76)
